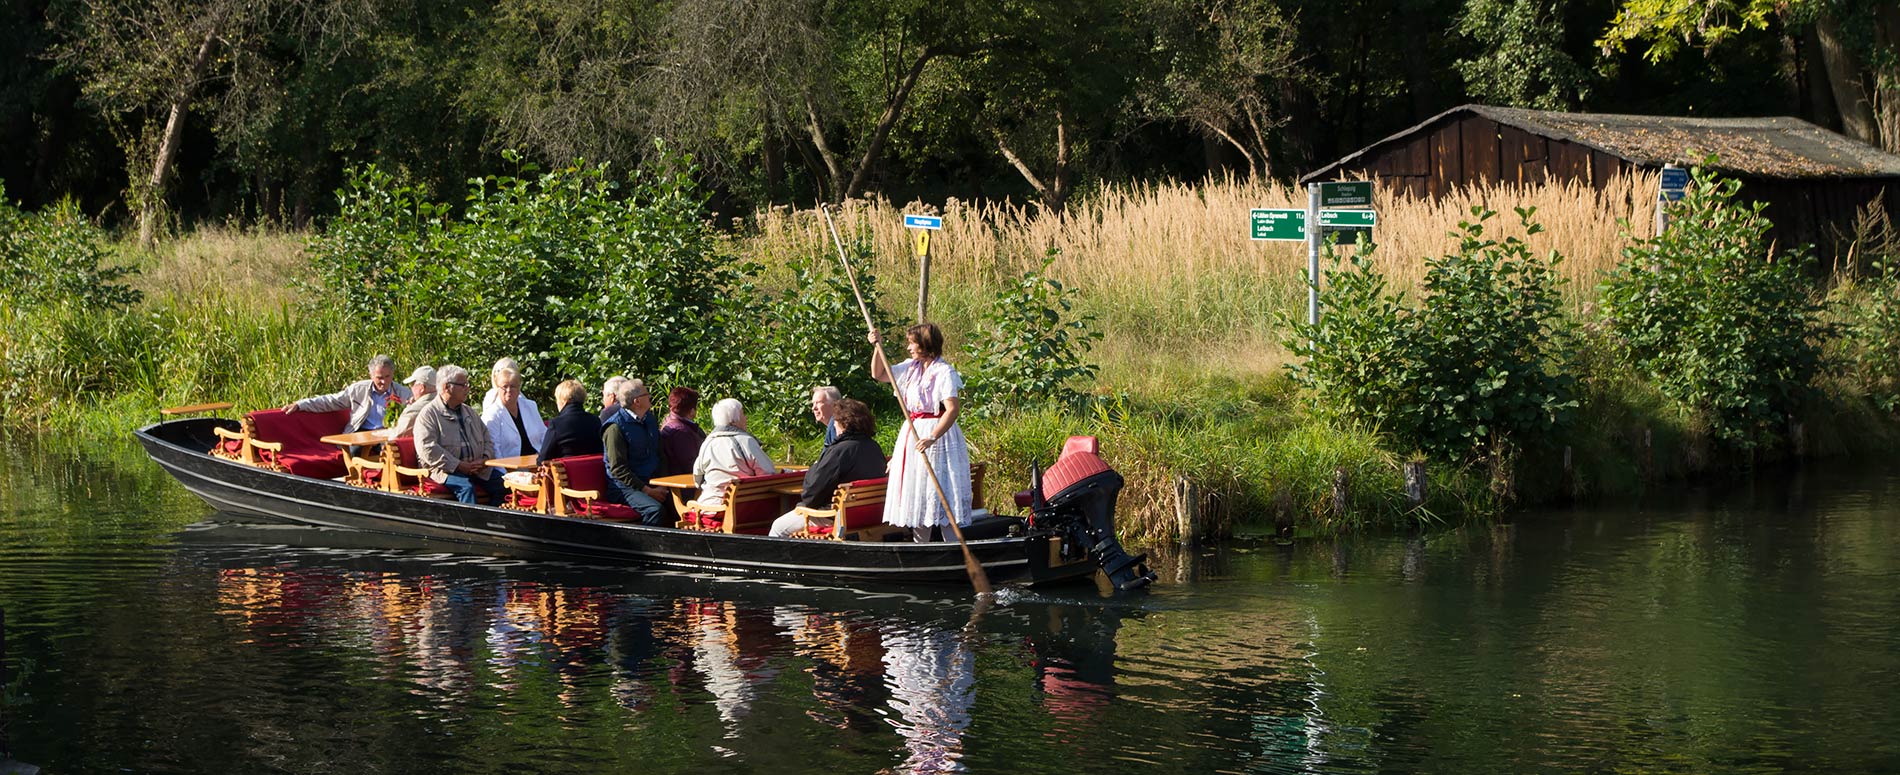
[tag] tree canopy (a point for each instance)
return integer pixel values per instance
(180, 111)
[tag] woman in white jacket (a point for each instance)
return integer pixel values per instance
(728, 453)
(514, 422)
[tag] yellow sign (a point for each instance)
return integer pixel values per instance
(922, 242)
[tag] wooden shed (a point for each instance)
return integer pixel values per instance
(1815, 182)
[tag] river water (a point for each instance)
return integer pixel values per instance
(1742, 628)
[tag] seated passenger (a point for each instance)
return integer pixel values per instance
(494, 383)
(610, 398)
(632, 448)
(575, 430)
(729, 453)
(367, 399)
(453, 444)
(514, 422)
(824, 409)
(421, 383)
(854, 455)
(680, 437)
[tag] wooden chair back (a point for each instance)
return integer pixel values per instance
(752, 502)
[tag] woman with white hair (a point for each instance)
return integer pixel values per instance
(514, 422)
(494, 381)
(728, 453)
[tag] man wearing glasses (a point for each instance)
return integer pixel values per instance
(367, 399)
(452, 442)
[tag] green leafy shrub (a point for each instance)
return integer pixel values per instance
(1477, 368)
(577, 274)
(1031, 347)
(813, 334)
(57, 256)
(1721, 325)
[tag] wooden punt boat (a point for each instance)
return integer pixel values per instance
(1068, 537)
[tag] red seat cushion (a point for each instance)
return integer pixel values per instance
(301, 433)
(608, 511)
(865, 515)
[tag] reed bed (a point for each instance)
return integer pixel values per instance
(1168, 268)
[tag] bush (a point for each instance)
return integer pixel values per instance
(1477, 369)
(57, 256)
(1722, 326)
(1031, 348)
(813, 334)
(577, 275)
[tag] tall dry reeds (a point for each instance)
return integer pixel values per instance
(1169, 268)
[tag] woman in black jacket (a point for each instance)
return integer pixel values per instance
(575, 431)
(854, 455)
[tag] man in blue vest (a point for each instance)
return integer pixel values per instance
(632, 442)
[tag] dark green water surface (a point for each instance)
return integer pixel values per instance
(1745, 628)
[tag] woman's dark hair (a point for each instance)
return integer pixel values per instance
(854, 417)
(682, 400)
(928, 337)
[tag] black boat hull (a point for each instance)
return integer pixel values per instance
(179, 446)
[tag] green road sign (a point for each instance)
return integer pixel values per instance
(1281, 225)
(1354, 193)
(1348, 219)
(1290, 225)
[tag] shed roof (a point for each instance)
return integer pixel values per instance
(1775, 147)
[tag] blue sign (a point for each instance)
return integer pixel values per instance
(1675, 179)
(922, 222)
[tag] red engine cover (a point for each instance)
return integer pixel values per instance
(1079, 461)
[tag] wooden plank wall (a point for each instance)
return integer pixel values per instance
(1470, 149)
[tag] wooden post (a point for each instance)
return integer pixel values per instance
(1798, 438)
(923, 284)
(1415, 483)
(1570, 474)
(1342, 482)
(1187, 510)
(1648, 457)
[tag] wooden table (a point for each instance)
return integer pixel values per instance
(516, 463)
(675, 482)
(359, 438)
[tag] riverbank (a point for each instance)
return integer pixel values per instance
(1192, 383)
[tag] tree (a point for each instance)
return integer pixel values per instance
(1228, 63)
(1857, 42)
(147, 65)
(831, 78)
(1521, 59)
(1058, 77)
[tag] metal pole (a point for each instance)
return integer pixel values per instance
(1312, 254)
(1662, 217)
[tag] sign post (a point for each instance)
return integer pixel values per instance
(923, 225)
(1312, 254)
(1288, 225)
(1675, 181)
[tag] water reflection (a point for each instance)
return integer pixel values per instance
(890, 672)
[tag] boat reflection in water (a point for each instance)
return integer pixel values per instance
(695, 666)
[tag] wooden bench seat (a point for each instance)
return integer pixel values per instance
(576, 484)
(752, 502)
(292, 442)
(856, 513)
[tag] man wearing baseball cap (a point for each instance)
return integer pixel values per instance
(421, 382)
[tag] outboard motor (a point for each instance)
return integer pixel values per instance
(1082, 506)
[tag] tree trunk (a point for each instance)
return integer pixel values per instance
(151, 200)
(833, 173)
(1055, 191)
(892, 110)
(1846, 77)
(772, 157)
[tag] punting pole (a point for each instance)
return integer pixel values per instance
(978, 578)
